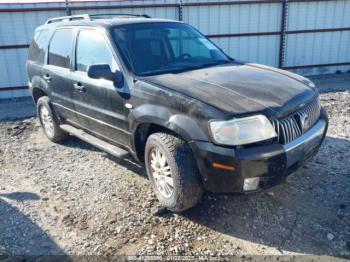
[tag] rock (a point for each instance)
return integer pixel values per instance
(119, 229)
(330, 236)
(112, 221)
(150, 242)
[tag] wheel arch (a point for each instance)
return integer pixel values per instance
(152, 119)
(38, 87)
(37, 93)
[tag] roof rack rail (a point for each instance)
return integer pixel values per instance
(68, 18)
(87, 17)
(118, 14)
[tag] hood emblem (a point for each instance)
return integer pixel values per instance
(304, 121)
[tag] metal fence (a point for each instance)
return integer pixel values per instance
(306, 36)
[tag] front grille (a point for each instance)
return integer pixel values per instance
(296, 124)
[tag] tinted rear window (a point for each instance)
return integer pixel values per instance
(37, 48)
(60, 48)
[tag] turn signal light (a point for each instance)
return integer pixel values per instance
(223, 167)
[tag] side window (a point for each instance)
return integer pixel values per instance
(37, 47)
(60, 48)
(92, 49)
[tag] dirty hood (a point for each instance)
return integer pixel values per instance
(239, 88)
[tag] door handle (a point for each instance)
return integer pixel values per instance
(47, 77)
(78, 86)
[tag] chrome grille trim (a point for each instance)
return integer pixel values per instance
(296, 124)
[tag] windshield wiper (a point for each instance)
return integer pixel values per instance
(164, 71)
(182, 68)
(214, 63)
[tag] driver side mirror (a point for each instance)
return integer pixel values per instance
(104, 71)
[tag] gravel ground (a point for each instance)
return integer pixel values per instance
(74, 199)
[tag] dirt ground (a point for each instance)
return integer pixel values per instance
(73, 199)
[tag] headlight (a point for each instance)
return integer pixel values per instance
(242, 131)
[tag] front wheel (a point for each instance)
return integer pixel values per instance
(172, 171)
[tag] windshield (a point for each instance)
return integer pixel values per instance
(158, 48)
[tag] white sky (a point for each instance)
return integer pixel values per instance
(38, 1)
(29, 1)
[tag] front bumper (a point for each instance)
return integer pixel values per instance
(272, 163)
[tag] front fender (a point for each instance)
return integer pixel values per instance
(181, 124)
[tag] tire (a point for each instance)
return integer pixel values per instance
(180, 165)
(49, 121)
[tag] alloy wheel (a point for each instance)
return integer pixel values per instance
(161, 172)
(47, 121)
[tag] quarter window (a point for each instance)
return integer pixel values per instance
(37, 48)
(60, 48)
(92, 49)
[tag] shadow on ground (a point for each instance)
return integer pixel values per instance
(21, 196)
(20, 236)
(128, 162)
(75, 142)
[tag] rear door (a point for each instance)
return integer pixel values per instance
(58, 70)
(99, 104)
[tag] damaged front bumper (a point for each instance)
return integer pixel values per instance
(267, 164)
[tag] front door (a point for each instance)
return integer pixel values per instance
(99, 104)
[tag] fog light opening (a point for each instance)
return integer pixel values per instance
(251, 183)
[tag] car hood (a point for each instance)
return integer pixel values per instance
(239, 88)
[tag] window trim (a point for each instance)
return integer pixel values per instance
(71, 48)
(106, 41)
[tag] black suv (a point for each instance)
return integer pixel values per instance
(162, 91)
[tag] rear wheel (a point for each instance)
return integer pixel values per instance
(172, 171)
(49, 121)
